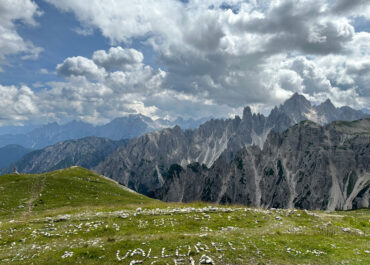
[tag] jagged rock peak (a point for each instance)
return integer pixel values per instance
(297, 101)
(247, 113)
(328, 102)
(327, 105)
(177, 129)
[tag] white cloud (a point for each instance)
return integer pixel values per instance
(350, 71)
(223, 54)
(12, 12)
(44, 71)
(96, 95)
(117, 57)
(16, 104)
(84, 31)
(356, 8)
(80, 66)
(216, 57)
(122, 20)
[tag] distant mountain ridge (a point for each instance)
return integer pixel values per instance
(86, 152)
(120, 128)
(12, 153)
(144, 162)
(12, 129)
(298, 108)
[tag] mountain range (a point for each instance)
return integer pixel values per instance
(87, 152)
(307, 166)
(144, 162)
(120, 128)
(274, 151)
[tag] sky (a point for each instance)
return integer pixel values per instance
(97, 60)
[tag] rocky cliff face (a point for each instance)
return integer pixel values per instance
(307, 166)
(87, 152)
(143, 162)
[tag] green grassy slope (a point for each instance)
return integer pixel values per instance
(74, 216)
(65, 190)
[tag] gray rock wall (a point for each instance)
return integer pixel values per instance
(307, 166)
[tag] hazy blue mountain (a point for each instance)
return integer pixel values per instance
(86, 152)
(183, 123)
(127, 127)
(12, 153)
(48, 134)
(17, 129)
(190, 123)
(119, 128)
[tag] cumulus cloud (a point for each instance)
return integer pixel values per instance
(117, 57)
(300, 25)
(225, 51)
(127, 86)
(351, 7)
(122, 20)
(80, 66)
(11, 43)
(216, 56)
(112, 83)
(16, 104)
(97, 94)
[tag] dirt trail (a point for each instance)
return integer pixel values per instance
(36, 189)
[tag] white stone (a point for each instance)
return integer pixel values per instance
(206, 260)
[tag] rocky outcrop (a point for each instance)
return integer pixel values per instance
(307, 166)
(143, 162)
(87, 152)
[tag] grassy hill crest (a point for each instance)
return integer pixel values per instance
(70, 189)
